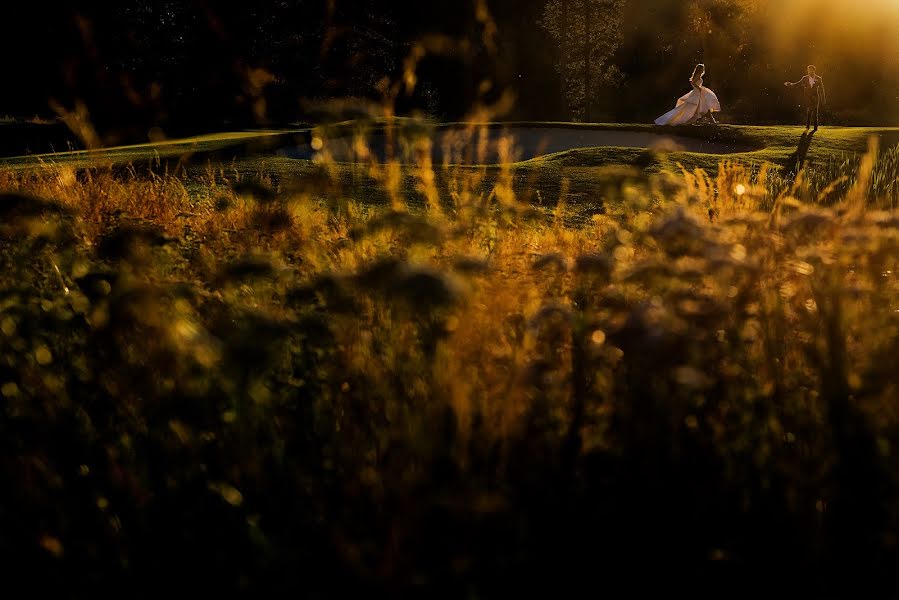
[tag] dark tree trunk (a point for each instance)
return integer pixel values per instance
(564, 44)
(588, 47)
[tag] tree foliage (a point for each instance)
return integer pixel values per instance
(195, 65)
(588, 33)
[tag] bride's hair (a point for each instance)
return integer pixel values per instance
(699, 67)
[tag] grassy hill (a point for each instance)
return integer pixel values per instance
(776, 144)
(580, 175)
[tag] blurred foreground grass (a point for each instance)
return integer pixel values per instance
(262, 384)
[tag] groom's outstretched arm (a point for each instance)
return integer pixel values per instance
(823, 92)
(791, 84)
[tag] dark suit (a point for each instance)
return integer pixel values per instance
(812, 98)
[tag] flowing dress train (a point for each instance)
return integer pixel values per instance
(691, 107)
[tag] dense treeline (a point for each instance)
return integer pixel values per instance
(168, 63)
(195, 64)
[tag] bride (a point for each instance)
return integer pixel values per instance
(696, 105)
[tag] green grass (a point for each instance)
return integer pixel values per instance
(201, 145)
(776, 145)
(585, 177)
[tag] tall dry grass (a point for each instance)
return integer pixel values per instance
(277, 387)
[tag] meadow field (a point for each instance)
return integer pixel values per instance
(227, 368)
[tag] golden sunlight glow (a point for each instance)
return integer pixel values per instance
(837, 29)
(854, 44)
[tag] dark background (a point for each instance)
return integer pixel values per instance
(182, 66)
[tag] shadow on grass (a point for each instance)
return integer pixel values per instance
(797, 159)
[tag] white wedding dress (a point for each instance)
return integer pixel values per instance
(691, 107)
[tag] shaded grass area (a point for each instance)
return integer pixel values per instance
(211, 147)
(34, 137)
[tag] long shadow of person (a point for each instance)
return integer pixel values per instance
(797, 159)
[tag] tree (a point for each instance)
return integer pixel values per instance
(245, 65)
(665, 39)
(588, 33)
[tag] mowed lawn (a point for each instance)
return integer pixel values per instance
(580, 174)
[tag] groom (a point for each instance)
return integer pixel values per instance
(813, 93)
